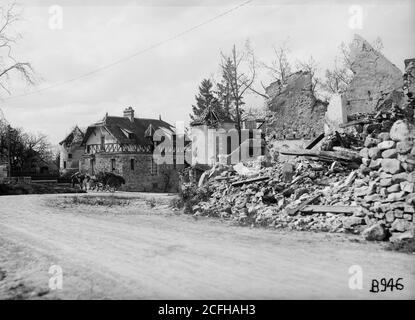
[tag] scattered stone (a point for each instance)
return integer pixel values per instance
(401, 130)
(364, 153)
(365, 164)
(407, 186)
(398, 196)
(407, 216)
(409, 208)
(371, 142)
(388, 144)
(350, 222)
(401, 236)
(394, 188)
(385, 182)
(375, 164)
(390, 154)
(398, 213)
(391, 165)
(287, 172)
(360, 212)
(376, 232)
(384, 136)
(360, 192)
(374, 153)
(383, 192)
(400, 225)
(410, 159)
(404, 146)
(399, 177)
(389, 216)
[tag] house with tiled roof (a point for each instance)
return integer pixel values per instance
(124, 145)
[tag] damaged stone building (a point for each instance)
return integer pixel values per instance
(123, 145)
(71, 151)
(375, 78)
(215, 139)
(297, 117)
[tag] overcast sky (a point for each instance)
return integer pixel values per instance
(164, 80)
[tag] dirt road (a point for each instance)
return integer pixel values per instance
(133, 251)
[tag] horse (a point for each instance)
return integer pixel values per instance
(107, 181)
(80, 179)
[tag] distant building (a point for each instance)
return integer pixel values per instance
(71, 151)
(124, 145)
(215, 139)
(35, 166)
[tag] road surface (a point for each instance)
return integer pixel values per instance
(138, 252)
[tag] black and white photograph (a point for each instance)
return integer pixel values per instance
(223, 152)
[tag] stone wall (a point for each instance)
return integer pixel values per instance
(139, 179)
(72, 164)
(295, 113)
(374, 77)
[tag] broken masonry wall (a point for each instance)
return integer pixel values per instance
(409, 78)
(409, 86)
(374, 77)
(336, 114)
(295, 113)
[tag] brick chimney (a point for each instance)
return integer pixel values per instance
(129, 113)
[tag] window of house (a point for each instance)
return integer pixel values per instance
(132, 163)
(154, 167)
(64, 164)
(69, 155)
(251, 143)
(102, 142)
(112, 164)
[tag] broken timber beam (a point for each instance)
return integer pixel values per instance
(324, 155)
(294, 211)
(354, 123)
(315, 141)
(331, 209)
(240, 183)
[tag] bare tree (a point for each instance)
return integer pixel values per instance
(239, 73)
(337, 79)
(310, 66)
(9, 15)
(280, 68)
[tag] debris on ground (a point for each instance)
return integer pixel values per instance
(366, 185)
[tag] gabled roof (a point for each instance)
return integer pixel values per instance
(138, 128)
(76, 135)
(209, 117)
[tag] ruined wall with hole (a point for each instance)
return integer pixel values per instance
(374, 78)
(295, 113)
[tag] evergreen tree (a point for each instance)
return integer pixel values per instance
(224, 90)
(205, 99)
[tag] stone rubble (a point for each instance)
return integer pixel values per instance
(382, 190)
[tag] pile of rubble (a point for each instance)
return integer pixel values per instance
(369, 191)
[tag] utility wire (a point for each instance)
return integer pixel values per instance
(153, 46)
